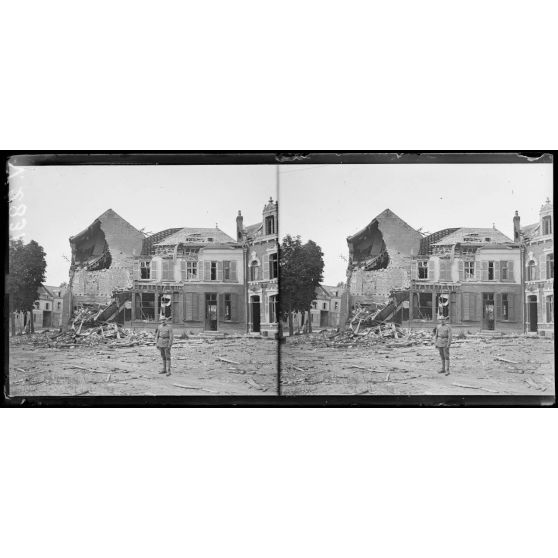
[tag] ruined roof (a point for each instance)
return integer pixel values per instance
(465, 235)
(431, 239)
(251, 230)
(150, 241)
(197, 235)
(385, 214)
(529, 231)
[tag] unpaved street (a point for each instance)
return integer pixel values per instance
(311, 367)
(105, 370)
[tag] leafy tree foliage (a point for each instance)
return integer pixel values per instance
(26, 273)
(301, 272)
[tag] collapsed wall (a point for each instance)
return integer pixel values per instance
(103, 258)
(380, 258)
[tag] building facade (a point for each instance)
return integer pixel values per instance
(471, 275)
(193, 276)
(538, 270)
(48, 308)
(261, 243)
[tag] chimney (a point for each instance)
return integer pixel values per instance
(516, 227)
(239, 226)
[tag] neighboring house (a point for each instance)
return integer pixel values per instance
(48, 308)
(195, 276)
(538, 245)
(472, 275)
(261, 242)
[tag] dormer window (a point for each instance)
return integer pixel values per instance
(547, 224)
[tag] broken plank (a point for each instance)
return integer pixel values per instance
(227, 360)
(299, 369)
(255, 384)
(506, 360)
(475, 387)
(193, 387)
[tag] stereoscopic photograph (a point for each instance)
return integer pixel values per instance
(401, 276)
(142, 280)
(419, 279)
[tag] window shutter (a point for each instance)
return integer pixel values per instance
(207, 270)
(498, 302)
(233, 272)
(219, 271)
(484, 271)
(199, 307)
(542, 267)
(511, 307)
(473, 306)
(497, 271)
(266, 267)
(466, 306)
(461, 267)
(445, 270)
(188, 307)
(414, 269)
(478, 271)
(510, 271)
(156, 270)
(136, 274)
(234, 308)
(221, 306)
(183, 269)
(431, 270)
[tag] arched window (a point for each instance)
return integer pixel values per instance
(550, 266)
(270, 225)
(547, 224)
(531, 271)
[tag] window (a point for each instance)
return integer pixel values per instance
(58, 305)
(505, 307)
(145, 306)
(487, 239)
(213, 276)
(47, 306)
(491, 271)
(228, 307)
(531, 271)
(273, 266)
(550, 266)
(423, 270)
(270, 225)
(314, 305)
(145, 270)
(226, 271)
(547, 224)
(273, 309)
(254, 271)
(336, 306)
(504, 272)
(469, 270)
(37, 305)
(191, 270)
(550, 309)
(324, 306)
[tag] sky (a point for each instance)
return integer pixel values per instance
(328, 203)
(61, 201)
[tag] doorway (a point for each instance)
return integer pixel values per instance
(488, 311)
(532, 312)
(324, 318)
(47, 318)
(255, 313)
(211, 312)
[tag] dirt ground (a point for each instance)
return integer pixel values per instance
(309, 368)
(40, 371)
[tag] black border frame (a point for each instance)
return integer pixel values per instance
(100, 157)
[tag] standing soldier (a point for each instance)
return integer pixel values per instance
(164, 337)
(442, 340)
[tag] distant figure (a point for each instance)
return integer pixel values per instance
(442, 340)
(164, 337)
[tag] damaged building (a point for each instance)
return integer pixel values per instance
(380, 259)
(103, 259)
(261, 242)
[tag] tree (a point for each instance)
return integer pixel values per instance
(301, 271)
(26, 273)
